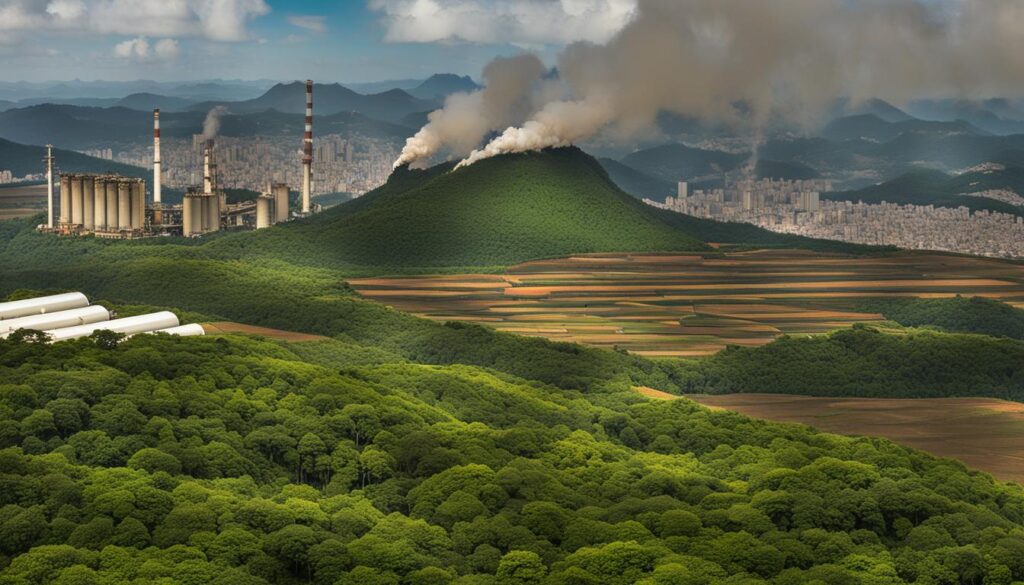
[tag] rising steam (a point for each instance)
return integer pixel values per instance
(211, 125)
(780, 60)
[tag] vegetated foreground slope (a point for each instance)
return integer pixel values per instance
(498, 212)
(236, 461)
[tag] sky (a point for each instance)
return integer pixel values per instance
(327, 40)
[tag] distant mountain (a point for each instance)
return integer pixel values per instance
(6, 105)
(391, 105)
(995, 116)
(678, 162)
(23, 159)
(415, 120)
(441, 85)
(369, 87)
(150, 101)
(872, 127)
(875, 107)
(83, 102)
(82, 128)
(924, 187)
(792, 171)
(637, 183)
(212, 89)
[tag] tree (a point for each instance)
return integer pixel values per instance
(107, 339)
(521, 567)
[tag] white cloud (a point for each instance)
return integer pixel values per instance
(166, 49)
(312, 23)
(217, 20)
(137, 48)
(520, 22)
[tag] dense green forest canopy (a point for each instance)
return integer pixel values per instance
(232, 460)
(959, 314)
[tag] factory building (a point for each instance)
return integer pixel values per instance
(70, 316)
(112, 206)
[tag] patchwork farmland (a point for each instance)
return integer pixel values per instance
(662, 305)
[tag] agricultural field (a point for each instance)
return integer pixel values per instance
(22, 201)
(984, 433)
(689, 305)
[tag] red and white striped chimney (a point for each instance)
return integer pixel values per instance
(307, 150)
(207, 179)
(156, 156)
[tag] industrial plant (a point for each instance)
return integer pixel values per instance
(115, 207)
(70, 316)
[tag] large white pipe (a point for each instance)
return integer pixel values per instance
(40, 305)
(49, 186)
(128, 326)
(190, 330)
(46, 321)
(156, 157)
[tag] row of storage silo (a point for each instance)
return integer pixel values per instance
(102, 203)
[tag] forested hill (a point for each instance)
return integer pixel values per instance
(233, 461)
(497, 212)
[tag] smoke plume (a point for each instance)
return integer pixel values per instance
(211, 125)
(467, 117)
(746, 63)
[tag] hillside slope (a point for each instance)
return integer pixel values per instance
(931, 187)
(22, 159)
(497, 212)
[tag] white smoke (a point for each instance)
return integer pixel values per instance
(467, 117)
(778, 60)
(211, 125)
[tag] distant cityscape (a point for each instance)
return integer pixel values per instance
(341, 164)
(796, 207)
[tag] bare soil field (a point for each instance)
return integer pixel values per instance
(22, 201)
(229, 327)
(680, 306)
(984, 434)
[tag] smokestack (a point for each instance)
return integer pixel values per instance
(207, 179)
(307, 149)
(49, 186)
(156, 157)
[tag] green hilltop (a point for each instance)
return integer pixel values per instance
(496, 212)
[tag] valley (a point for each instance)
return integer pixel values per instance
(692, 305)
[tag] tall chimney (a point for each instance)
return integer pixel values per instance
(156, 157)
(49, 186)
(307, 149)
(207, 180)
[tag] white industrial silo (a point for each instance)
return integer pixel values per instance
(76, 200)
(263, 212)
(99, 204)
(124, 205)
(138, 204)
(88, 203)
(111, 204)
(65, 200)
